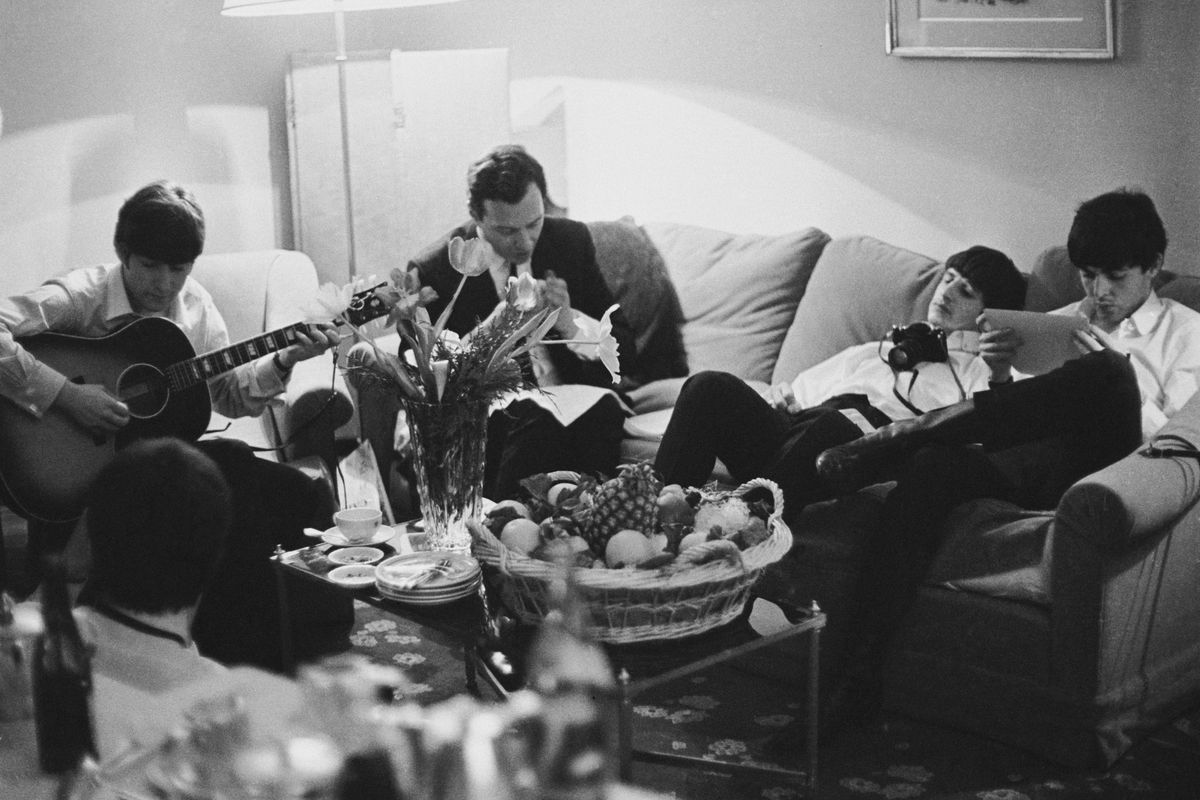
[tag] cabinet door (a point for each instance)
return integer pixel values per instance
(416, 121)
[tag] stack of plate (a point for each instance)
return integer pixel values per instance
(427, 578)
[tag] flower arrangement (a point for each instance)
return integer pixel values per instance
(439, 366)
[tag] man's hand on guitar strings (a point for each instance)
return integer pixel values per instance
(92, 406)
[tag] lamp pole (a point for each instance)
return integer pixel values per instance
(339, 27)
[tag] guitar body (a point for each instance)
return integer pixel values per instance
(47, 464)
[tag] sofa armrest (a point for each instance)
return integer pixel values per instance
(1124, 562)
(1138, 494)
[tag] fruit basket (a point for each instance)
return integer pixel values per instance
(630, 605)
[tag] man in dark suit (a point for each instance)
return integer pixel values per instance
(508, 204)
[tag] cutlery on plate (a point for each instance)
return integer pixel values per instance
(424, 576)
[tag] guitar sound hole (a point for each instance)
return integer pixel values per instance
(144, 389)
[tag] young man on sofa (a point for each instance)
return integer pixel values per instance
(1024, 442)
(159, 233)
(779, 436)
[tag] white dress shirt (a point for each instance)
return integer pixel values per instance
(136, 676)
(92, 302)
(1162, 340)
(863, 369)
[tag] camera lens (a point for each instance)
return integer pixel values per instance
(902, 356)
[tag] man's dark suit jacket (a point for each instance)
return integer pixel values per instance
(565, 247)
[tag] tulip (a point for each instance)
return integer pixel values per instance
(596, 341)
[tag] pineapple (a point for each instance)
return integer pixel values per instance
(630, 500)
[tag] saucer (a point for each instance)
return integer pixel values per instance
(355, 555)
(353, 575)
(334, 536)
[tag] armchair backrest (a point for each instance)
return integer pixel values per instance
(257, 290)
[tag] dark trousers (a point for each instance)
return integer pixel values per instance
(238, 621)
(525, 439)
(1027, 443)
(718, 415)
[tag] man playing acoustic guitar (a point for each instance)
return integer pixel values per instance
(159, 234)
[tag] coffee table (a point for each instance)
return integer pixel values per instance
(639, 667)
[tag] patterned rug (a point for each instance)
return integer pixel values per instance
(728, 715)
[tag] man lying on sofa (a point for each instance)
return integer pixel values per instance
(1023, 442)
(780, 435)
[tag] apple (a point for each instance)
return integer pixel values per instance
(627, 548)
(693, 539)
(521, 535)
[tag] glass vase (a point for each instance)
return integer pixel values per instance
(449, 442)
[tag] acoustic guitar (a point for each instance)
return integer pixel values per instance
(47, 464)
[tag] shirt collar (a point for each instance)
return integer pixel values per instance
(1143, 320)
(116, 299)
(964, 341)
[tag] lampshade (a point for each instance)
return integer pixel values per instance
(270, 8)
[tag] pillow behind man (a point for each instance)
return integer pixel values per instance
(635, 274)
(861, 287)
(738, 292)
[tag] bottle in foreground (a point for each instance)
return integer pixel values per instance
(572, 672)
(62, 681)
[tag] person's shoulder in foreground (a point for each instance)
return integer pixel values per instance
(157, 518)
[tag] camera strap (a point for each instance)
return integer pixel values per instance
(962, 392)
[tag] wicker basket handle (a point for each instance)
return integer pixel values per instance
(484, 538)
(773, 488)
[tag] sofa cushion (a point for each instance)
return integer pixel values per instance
(859, 289)
(638, 279)
(738, 292)
(996, 548)
(1053, 281)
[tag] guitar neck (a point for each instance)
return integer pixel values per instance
(202, 368)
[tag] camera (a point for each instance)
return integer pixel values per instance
(915, 343)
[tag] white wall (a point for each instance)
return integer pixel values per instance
(745, 114)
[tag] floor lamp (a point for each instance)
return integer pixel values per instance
(269, 8)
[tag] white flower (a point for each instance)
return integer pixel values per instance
(522, 292)
(594, 341)
(471, 257)
(332, 300)
(451, 341)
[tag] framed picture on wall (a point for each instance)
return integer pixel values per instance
(1001, 28)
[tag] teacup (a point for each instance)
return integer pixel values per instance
(357, 524)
